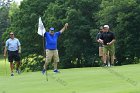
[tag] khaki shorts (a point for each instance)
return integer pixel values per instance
(52, 55)
(110, 49)
(100, 51)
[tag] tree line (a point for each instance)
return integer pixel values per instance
(78, 46)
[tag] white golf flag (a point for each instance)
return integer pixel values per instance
(41, 28)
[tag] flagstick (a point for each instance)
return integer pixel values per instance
(45, 57)
(41, 31)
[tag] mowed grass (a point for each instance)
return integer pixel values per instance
(121, 79)
(4, 66)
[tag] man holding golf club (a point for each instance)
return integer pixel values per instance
(51, 39)
(107, 38)
(13, 47)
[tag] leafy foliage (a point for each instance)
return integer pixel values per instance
(77, 45)
(4, 23)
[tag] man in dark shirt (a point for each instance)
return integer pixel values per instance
(107, 38)
(100, 44)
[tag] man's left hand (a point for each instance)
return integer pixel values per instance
(19, 51)
(66, 25)
(109, 43)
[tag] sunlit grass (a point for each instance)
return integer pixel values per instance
(121, 79)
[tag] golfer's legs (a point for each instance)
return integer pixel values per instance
(104, 58)
(17, 65)
(10, 59)
(17, 59)
(11, 66)
(101, 54)
(49, 55)
(56, 58)
(112, 53)
(108, 56)
(105, 51)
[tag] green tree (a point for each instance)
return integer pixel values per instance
(77, 45)
(4, 23)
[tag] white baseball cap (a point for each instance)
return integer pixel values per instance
(106, 26)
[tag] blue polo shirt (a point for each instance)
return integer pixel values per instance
(51, 40)
(12, 44)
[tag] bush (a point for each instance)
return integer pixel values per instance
(33, 62)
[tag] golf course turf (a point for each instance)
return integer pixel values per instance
(119, 79)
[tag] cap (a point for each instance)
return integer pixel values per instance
(52, 29)
(11, 33)
(106, 26)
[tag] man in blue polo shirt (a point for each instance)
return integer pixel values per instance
(13, 47)
(51, 38)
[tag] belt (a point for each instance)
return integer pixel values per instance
(12, 51)
(51, 49)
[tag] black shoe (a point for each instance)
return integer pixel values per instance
(12, 74)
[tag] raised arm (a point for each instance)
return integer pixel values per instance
(64, 28)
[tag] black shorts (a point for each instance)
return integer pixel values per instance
(13, 56)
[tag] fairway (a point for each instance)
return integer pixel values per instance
(121, 79)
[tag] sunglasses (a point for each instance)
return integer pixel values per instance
(11, 34)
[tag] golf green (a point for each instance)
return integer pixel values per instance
(119, 79)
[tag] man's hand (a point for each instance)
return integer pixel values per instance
(4, 55)
(109, 43)
(19, 51)
(66, 25)
(5, 50)
(64, 28)
(101, 41)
